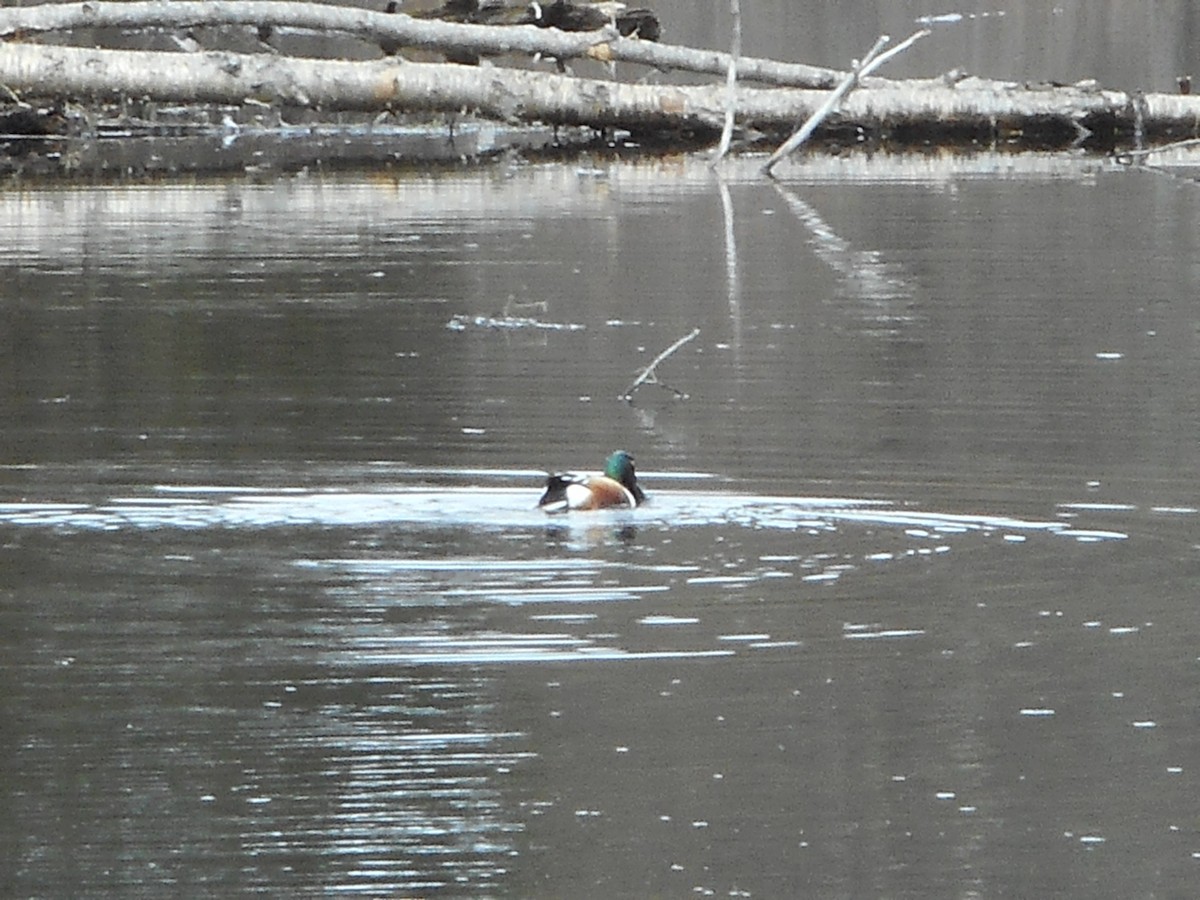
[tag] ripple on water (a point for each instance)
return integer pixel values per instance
(505, 507)
(501, 649)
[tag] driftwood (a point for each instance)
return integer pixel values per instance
(650, 374)
(403, 31)
(873, 60)
(735, 53)
(228, 78)
(961, 109)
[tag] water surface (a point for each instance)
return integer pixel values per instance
(910, 613)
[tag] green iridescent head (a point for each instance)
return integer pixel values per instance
(619, 467)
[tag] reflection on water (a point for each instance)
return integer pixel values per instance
(910, 612)
(333, 673)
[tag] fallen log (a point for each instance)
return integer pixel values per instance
(966, 110)
(400, 30)
(922, 112)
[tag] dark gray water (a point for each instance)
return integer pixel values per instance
(1125, 46)
(912, 611)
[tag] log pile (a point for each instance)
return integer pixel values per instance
(520, 84)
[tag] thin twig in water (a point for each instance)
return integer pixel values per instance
(872, 61)
(649, 376)
(735, 53)
(1125, 155)
(1141, 159)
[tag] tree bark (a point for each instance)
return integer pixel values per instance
(405, 31)
(921, 112)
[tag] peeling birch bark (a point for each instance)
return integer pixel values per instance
(402, 30)
(925, 112)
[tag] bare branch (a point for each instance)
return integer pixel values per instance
(869, 67)
(649, 376)
(869, 63)
(735, 53)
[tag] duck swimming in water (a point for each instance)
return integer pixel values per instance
(617, 487)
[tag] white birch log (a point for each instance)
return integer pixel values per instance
(404, 31)
(879, 107)
(512, 95)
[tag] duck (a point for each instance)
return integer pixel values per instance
(390, 46)
(617, 487)
(462, 12)
(567, 16)
(469, 12)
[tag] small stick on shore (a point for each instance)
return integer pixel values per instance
(872, 61)
(649, 376)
